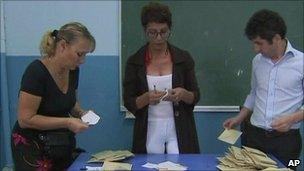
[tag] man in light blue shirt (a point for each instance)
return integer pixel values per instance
(277, 90)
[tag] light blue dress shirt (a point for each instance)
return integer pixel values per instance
(277, 89)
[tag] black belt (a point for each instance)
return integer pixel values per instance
(274, 133)
(57, 144)
(57, 137)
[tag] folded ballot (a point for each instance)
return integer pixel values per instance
(90, 117)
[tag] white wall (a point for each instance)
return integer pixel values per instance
(2, 36)
(26, 22)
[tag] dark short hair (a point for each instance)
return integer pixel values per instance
(265, 24)
(155, 12)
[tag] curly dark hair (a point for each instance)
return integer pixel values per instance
(265, 24)
(155, 12)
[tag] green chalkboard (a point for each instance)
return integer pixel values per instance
(213, 33)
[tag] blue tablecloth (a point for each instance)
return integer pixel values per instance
(192, 161)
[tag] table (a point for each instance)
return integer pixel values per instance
(192, 161)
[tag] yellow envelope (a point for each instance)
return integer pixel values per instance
(116, 166)
(230, 136)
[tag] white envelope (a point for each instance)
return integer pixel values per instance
(167, 165)
(90, 117)
(150, 165)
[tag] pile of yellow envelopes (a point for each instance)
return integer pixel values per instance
(110, 155)
(116, 166)
(107, 157)
(247, 159)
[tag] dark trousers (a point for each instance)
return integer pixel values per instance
(284, 146)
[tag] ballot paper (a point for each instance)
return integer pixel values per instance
(164, 96)
(150, 165)
(93, 168)
(90, 117)
(110, 155)
(167, 165)
(171, 166)
(230, 136)
(116, 166)
(276, 169)
(255, 151)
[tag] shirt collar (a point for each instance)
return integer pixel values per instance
(289, 49)
(289, 52)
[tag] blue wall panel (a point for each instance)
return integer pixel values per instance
(99, 90)
(1, 132)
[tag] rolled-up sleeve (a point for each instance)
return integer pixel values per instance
(250, 100)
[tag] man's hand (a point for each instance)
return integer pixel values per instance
(282, 124)
(232, 122)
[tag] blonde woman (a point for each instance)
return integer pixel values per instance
(44, 135)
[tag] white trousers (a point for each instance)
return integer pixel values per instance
(162, 135)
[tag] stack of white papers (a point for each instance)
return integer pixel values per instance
(248, 159)
(165, 166)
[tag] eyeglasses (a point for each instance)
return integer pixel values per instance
(153, 34)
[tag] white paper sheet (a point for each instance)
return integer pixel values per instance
(90, 117)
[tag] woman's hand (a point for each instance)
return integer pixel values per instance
(149, 98)
(77, 111)
(180, 94)
(155, 96)
(76, 125)
(177, 94)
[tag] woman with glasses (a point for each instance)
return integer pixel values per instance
(43, 138)
(161, 90)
